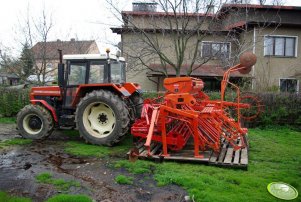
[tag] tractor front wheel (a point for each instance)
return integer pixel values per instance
(34, 122)
(102, 118)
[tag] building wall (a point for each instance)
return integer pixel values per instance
(133, 47)
(159, 22)
(269, 69)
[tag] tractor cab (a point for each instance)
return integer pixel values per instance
(86, 71)
(93, 69)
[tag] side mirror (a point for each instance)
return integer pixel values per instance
(61, 70)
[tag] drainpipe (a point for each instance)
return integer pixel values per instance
(254, 50)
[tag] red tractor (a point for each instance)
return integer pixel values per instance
(92, 95)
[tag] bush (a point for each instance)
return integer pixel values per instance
(280, 108)
(12, 100)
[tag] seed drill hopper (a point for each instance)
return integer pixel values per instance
(185, 124)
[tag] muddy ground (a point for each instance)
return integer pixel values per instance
(20, 164)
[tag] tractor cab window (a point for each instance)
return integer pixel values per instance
(97, 73)
(77, 74)
(117, 72)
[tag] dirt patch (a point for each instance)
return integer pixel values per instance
(20, 164)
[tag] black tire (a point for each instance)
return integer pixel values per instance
(137, 101)
(102, 118)
(34, 122)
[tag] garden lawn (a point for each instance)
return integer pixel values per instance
(275, 155)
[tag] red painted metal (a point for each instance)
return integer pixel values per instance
(47, 106)
(186, 113)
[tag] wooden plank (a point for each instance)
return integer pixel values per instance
(140, 144)
(213, 157)
(222, 155)
(144, 153)
(237, 153)
(236, 157)
(186, 158)
(229, 154)
(141, 150)
(223, 151)
(244, 157)
(158, 146)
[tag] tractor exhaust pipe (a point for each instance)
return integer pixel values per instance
(61, 56)
(61, 70)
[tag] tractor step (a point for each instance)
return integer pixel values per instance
(226, 158)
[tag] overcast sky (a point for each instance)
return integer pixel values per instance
(81, 19)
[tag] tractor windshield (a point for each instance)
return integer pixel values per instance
(117, 72)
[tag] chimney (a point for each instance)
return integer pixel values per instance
(145, 7)
(72, 39)
(210, 9)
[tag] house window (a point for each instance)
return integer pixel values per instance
(289, 85)
(283, 46)
(216, 49)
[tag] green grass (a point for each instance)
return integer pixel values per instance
(7, 120)
(69, 198)
(122, 179)
(59, 183)
(4, 197)
(80, 148)
(275, 155)
(138, 167)
(15, 141)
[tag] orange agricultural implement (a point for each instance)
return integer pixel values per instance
(185, 117)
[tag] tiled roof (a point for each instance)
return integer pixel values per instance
(257, 6)
(160, 14)
(67, 47)
(203, 70)
(225, 8)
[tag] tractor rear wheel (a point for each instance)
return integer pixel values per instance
(137, 101)
(102, 118)
(34, 122)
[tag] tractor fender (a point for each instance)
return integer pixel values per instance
(47, 106)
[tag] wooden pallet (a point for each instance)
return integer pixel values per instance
(226, 158)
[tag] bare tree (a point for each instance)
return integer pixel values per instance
(171, 36)
(33, 29)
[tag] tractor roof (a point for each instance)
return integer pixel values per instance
(91, 57)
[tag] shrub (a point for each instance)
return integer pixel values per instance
(12, 100)
(280, 108)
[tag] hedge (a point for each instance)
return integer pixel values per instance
(280, 108)
(12, 100)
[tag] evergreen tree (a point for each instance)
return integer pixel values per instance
(26, 60)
